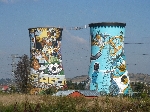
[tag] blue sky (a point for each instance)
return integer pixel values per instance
(16, 16)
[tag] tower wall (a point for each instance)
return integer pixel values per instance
(46, 59)
(107, 70)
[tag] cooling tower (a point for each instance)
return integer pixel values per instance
(46, 58)
(107, 71)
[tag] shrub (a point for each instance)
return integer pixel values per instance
(48, 103)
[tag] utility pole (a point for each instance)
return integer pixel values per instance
(13, 62)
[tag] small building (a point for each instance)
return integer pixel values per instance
(5, 88)
(78, 93)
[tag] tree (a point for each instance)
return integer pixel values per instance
(139, 87)
(82, 85)
(76, 86)
(21, 74)
(51, 90)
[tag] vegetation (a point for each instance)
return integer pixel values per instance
(76, 86)
(48, 103)
(51, 90)
(21, 75)
(18, 102)
(12, 101)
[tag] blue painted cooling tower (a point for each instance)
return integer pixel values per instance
(107, 71)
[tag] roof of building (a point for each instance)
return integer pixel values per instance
(5, 88)
(89, 92)
(84, 92)
(63, 93)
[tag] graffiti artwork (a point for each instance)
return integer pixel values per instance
(46, 58)
(107, 70)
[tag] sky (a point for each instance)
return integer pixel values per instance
(16, 16)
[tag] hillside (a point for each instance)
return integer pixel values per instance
(133, 77)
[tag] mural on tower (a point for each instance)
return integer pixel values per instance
(107, 72)
(46, 58)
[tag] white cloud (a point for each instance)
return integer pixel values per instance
(12, 1)
(79, 39)
(3, 53)
(8, 1)
(5, 1)
(75, 38)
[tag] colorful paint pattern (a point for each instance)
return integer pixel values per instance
(46, 58)
(107, 72)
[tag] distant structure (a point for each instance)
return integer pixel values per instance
(46, 59)
(78, 93)
(14, 56)
(107, 71)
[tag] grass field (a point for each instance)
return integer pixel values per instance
(47, 103)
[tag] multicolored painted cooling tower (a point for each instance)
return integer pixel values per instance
(107, 72)
(46, 58)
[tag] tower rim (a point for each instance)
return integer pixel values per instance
(107, 24)
(45, 27)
